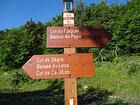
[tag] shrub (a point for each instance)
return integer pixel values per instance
(132, 68)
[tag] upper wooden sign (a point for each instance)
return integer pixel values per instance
(60, 66)
(66, 37)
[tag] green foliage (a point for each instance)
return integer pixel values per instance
(4, 67)
(128, 29)
(56, 21)
(17, 78)
(133, 68)
(35, 33)
(117, 76)
(122, 21)
(2, 35)
(78, 12)
(20, 44)
(111, 86)
(12, 48)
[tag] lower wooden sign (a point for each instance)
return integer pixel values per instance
(60, 66)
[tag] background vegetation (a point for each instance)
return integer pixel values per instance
(117, 65)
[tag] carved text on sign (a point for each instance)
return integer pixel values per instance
(59, 66)
(68, 15)
(68, 34)
(64, 37)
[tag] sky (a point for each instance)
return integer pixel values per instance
(15, 13)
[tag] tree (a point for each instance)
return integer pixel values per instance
(35, 33)
(12, 49)
(2, 35)
(21, 44)
(80, 6)
(128, 29)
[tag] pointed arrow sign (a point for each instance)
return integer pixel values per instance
(59, 66)
(64, 37)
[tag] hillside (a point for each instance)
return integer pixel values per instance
(115, 83)
(117, 65)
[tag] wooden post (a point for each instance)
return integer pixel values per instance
(70, 83)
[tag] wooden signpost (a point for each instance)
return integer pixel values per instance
(60, 66)
(65, 37)
(68, 65)
(68, 13)
(70, 83)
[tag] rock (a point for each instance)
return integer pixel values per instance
(6, 73)
(85, 86)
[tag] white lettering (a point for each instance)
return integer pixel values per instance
(43, 66)
(55, 31)
(67, 36)
(52, 72)
(68, 15)
(72, 31)
(54, 66)
(47, 73)
(56, 37)
(54, 59)
(68, 21)
(76, 36)
(64, 65)
(59, 72)
(39, 73)
(43, 60)
(40, 60)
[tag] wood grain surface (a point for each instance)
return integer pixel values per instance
(60, 66)
(77, 37)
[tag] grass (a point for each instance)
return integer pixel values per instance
(115, 83)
